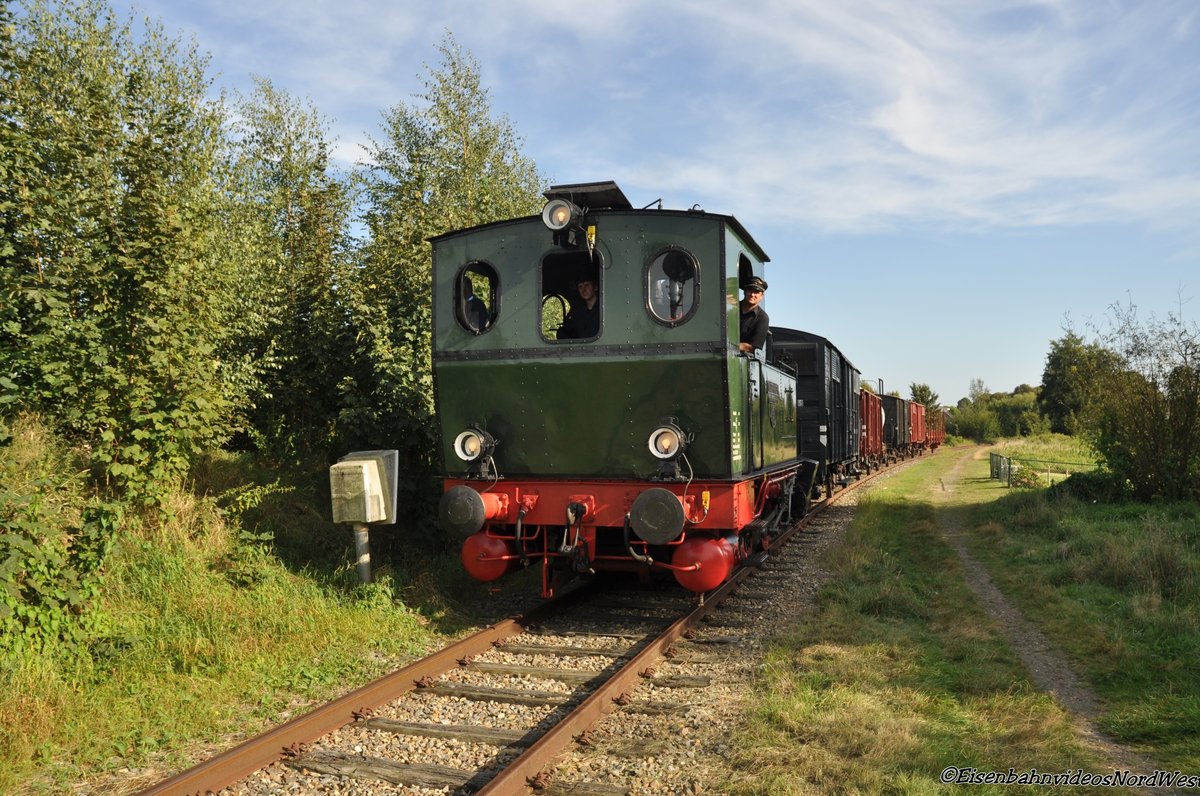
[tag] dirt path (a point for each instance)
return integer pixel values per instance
(1047, 665)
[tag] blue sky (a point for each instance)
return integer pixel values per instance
(941, 186)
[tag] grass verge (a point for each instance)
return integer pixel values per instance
(235, 609)
(899, 673)
(1118, 588)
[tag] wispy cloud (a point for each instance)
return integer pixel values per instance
(863, 115)
(1029, 114)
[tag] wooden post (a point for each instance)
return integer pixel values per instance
(362, 552)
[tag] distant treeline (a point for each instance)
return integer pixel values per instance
(1133, 394)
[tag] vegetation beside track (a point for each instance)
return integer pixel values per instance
(1116, 586)
(1055, 448)
(899, 673)
(235, 608)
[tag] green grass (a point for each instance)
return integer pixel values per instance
(899, 673)
(1118, 588)
(1050, 454)
(224, 617)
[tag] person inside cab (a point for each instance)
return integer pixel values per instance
(755, 323)
(476, 310)
(583, 319)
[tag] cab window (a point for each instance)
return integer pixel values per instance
(572, 304)
(476, 290)
(672, 286)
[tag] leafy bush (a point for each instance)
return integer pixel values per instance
(976, 421)
(1098, 486)
(1147, 426)
(53, 544)
(1024, 477)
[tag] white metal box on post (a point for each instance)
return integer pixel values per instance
(363, 488)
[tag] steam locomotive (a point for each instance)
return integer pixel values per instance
(597, 414)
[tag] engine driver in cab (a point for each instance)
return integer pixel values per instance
(583, 320)
(754, 324)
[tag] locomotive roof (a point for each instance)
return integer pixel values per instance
(591, 194)
(605, 198)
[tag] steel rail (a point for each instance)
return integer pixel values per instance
(516, 777)
(260, 751)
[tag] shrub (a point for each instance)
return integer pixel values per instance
(54, 542)
(1098, 486)
(1024, 477)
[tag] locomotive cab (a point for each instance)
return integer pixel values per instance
(595, 411)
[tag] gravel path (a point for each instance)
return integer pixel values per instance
(1047, 664)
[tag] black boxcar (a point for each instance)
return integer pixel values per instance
(895, 427)
(827, 402)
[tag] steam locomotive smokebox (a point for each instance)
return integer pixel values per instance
(363, 487)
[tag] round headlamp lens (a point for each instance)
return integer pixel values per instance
(666, 442)
(468, 445)
(557, 214)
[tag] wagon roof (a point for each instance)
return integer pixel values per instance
(782, 336)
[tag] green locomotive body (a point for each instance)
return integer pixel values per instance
(562, 405)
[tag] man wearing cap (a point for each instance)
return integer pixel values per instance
(583, 319)
(755, 323)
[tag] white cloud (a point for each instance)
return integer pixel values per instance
(861, 115)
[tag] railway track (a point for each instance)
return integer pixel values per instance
(504, 703)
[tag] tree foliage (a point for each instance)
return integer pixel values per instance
(1147, 417)
(108, 320)
(446, 163)
(985, 416)
(1072, 381)
(1017, 413)
(287, 220)
(924, 394)
(974, 420)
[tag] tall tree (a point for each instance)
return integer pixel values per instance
(978, 391)
(446, 163)
(14, 161)
(973, 417)
(1073, 378)
(1147, 426)
(288, 217)
(107, 322)
(924, 394)
(1017, 413)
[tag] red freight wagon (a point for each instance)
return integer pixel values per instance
(937, 429)
(870, 411)
(916, 426)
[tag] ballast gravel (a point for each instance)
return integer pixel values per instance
(682, 752)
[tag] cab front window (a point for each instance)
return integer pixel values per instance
(571, 297)
(672, 286)
(476, 294)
